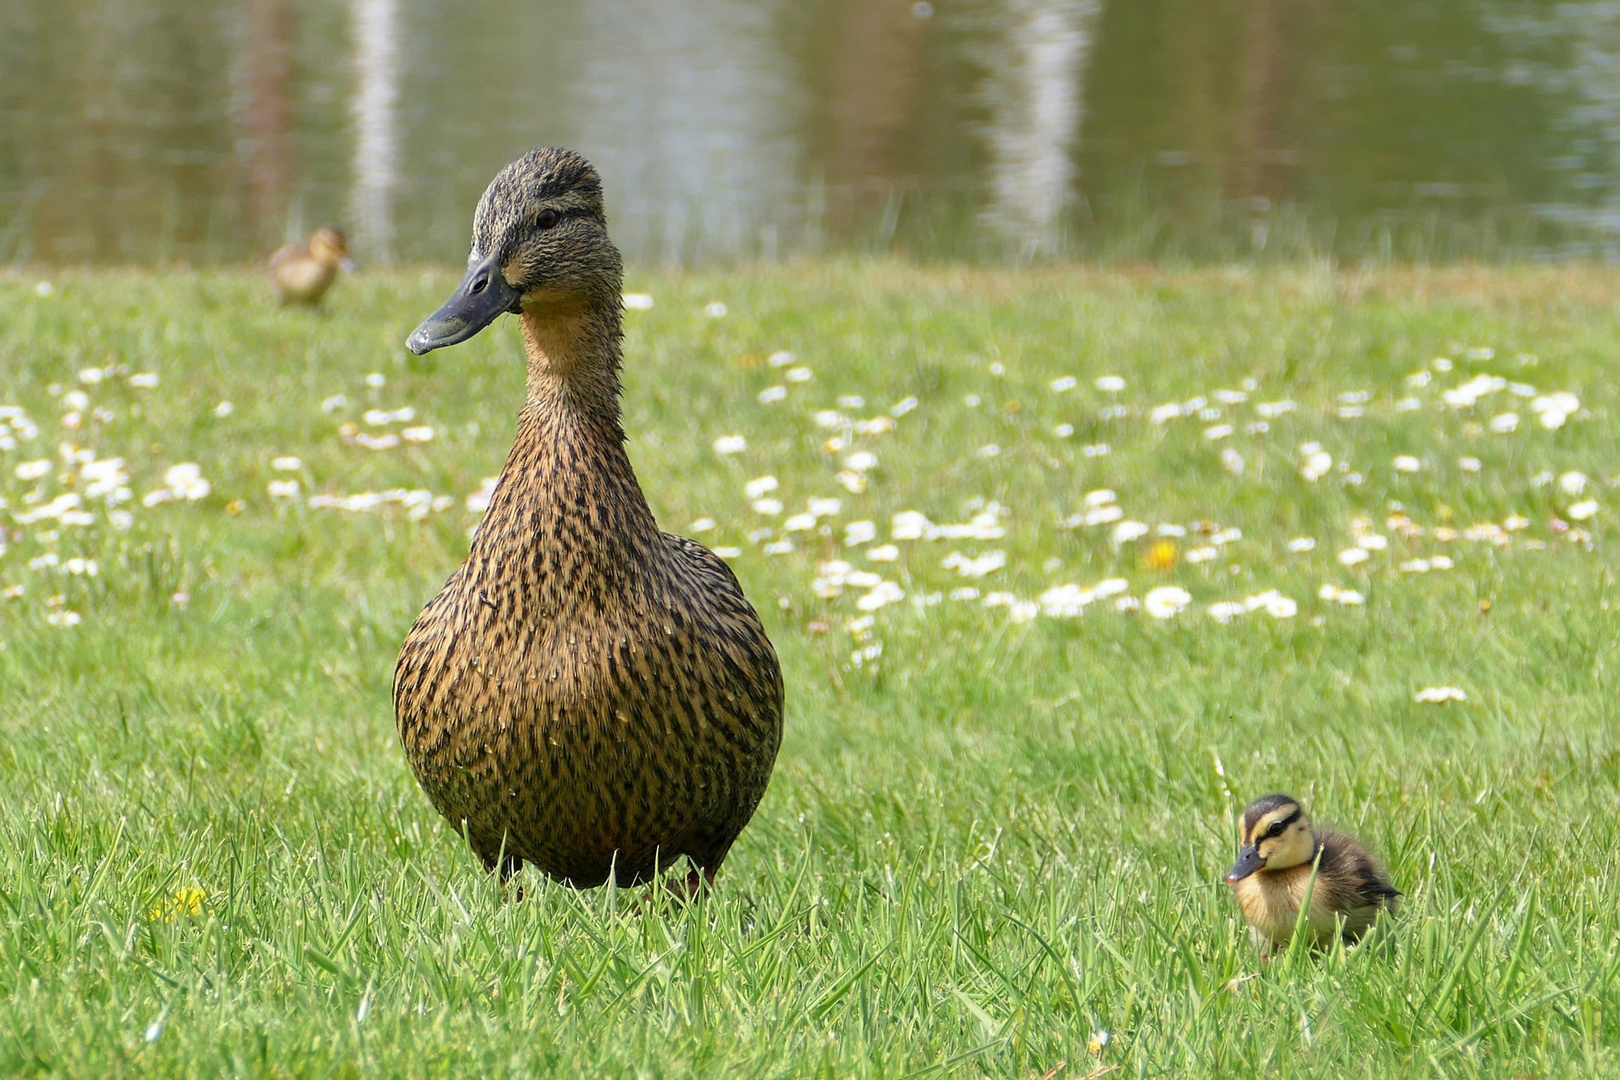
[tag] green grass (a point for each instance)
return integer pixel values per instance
(981, 846)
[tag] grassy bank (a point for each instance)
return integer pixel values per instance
(994, 841)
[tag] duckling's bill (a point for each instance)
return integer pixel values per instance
(482, 297)
(1249, 860)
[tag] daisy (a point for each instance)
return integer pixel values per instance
(760, 486)
(1165, 601)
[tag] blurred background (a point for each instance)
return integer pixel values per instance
(201, 131)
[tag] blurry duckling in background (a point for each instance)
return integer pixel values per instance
(1273, 874)
(302, 273)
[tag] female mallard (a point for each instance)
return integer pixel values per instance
(301, 273)
(1282, 858)
(586, 693)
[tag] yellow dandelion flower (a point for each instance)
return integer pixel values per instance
(187, 902)
(1161, 555)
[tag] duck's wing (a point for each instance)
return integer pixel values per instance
(710, 567)
(1354, 872)
(737, 622)
(740, 680)
(1355, 883)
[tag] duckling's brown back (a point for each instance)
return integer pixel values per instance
(1353, 882)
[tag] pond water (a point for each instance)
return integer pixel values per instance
(202, 130)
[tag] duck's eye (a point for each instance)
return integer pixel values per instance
(546, 218)
(1276, 829)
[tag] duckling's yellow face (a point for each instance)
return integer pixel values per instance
(328, 245)
(539, 243)
(1275, 836)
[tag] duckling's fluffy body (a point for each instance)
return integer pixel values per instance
(1346, 899)
(1273, 876)
(586, 693)
(302, 273)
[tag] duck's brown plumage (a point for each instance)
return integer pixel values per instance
(587, 693)
(1273, 874)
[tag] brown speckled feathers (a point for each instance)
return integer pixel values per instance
(587, 693)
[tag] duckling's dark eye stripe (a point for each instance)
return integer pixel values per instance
(1264, 830)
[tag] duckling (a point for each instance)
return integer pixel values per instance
(301, 273)
(587, 693)
(1273, 872)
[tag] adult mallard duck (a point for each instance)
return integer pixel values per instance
(301, 273)
(1281, 854)
(586, 693)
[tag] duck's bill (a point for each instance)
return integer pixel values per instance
(481, 298)
(1248, 862)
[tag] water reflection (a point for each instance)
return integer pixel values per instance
(137, 130)
(694, 108)
(376, 138)
(877, 71)
(268, 149)
(1035, 109)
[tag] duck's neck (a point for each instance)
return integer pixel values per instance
(573, 353)
(568, 499)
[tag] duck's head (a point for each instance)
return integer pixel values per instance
(330, 246)
(539, 244)
(1276, 834)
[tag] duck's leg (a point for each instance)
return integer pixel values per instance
(509, 870)
(508, 867)
(687, 889)
(511, 865)
(684, 889)
(698, 881)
